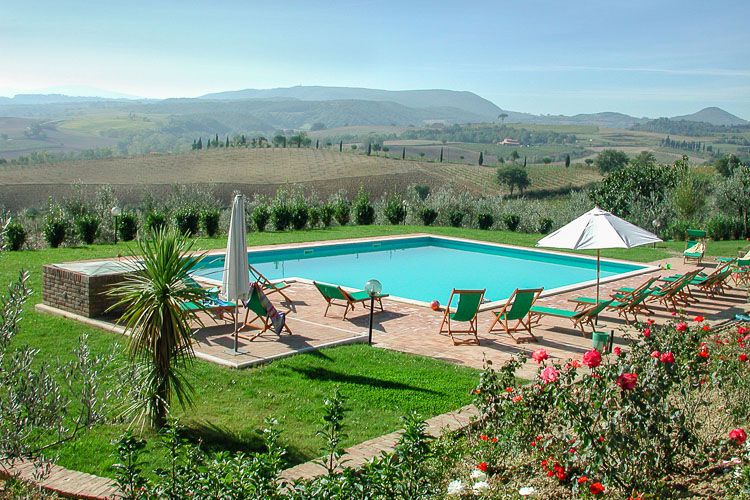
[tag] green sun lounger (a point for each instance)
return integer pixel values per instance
(332, 293)
(623, 304)
(580, 318)
(466, 311)
(212, 304)
(696, 246)
(518, 309)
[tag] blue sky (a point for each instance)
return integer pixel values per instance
(645, 58)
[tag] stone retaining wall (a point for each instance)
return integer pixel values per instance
(77, 292)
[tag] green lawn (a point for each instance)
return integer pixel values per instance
(230, 405)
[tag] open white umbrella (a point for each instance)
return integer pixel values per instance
(236, 281)
(597, 229)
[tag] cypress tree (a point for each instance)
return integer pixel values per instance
(208, 143)
(317, 143)
(341, 147)
(227, 144)
(524, 162)
(481, 158)
(200, 143)
(216, 141)
(441, 155)
(369, 149)
(403, 154)
(567, 161)
(195, 145)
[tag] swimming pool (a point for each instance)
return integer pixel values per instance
(425, 268)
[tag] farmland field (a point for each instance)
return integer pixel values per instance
(262, 171)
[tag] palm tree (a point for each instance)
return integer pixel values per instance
(159, 328)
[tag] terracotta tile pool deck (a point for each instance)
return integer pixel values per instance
(414, 328)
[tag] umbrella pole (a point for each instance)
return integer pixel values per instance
(235, 330)
(596, 319)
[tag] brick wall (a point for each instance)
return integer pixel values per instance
(77, 292)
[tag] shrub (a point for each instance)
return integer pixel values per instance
(186, 219)
(427, 215)
(341, 211)
(394, 210)
(677, 230)
(723, 227)
(326, 214)
(485, 220)
(455, 216)
(545, 225)
(210, 222)
(87, 227)
(260, 217)
(422, 191)
(511, 221)
(364, 212)
(281, 212)
(155, 220)
(127, 226)
(55, 229)
(314, 216)
(15, 236)
(299, 214)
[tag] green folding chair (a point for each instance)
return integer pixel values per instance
(255, 306)
(580, 318)
(333, 293)
(518, 309)
(695, 247)
(269, 287)
(466, 311)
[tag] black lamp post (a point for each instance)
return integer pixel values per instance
(116, 212)
(373, 289)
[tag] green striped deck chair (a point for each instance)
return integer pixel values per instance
(269, 287)
(517, 309)
(580, 318)
(253, 305)
(624, 304)
(466, 311)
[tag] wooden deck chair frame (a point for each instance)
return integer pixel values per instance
(257, 309)
(473, 328)
(501, 316)
(346, 297)
(677, 293)
(268, 286)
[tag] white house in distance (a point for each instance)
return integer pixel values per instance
(508, 142)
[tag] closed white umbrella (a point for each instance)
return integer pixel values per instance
(597, 229)
(236, 281)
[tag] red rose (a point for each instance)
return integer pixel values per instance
(482, 466)
(601, 439)
(582, 479)
(627, 381)
(655, 354)
(483, 437)
(517, 399)
(508, 389)
(596, 488)
(666, 357)
(650, 321)
(592, 358)
(617, 350)
(494, 440)
(647, 332)
(539, 355)
(681, 326)
(738, 435)
(703, 353)
(699, 319)
(743, 330)
(743, 357)
(706, 328)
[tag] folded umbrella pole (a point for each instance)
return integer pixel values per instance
(235, 283)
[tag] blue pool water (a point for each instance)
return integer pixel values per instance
(424, 268)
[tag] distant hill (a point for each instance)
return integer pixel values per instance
(462, 100)
(714, 116)
(688, 127)
(606, 119)
(48, 99)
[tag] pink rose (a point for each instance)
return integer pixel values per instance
(539, 355)
(647, 332)
(549, 374)
(617, 350)
(655, 354)
(627, 381)
(738, 435)
(666, 357)
(592, 358)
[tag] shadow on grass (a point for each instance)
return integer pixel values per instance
(325, 375)
(213, 438)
